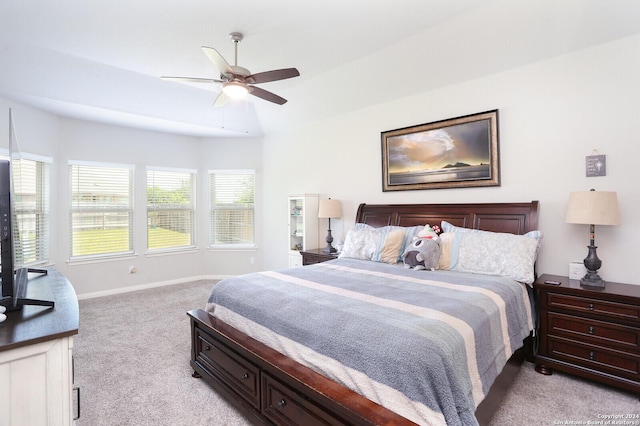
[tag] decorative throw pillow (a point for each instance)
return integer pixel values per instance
(449, 245)
(390, 247)
(408, 233)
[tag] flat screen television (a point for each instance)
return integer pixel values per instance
(14, 278)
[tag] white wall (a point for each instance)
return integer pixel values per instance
(551, 115)
(81, 140)
(66, 139)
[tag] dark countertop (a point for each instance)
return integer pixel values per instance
(34, 324)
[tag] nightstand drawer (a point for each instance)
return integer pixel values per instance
(614, 310)
(596, 332)
(598, 358)
(310, 257)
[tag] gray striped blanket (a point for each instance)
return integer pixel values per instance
(425, 344)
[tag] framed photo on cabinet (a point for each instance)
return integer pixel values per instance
(459, 152)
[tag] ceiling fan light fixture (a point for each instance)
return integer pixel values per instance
(235, 90)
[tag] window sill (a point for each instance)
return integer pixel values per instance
(89, 260)
(233, 247)
(171, 252)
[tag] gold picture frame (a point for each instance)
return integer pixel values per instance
(459, 152)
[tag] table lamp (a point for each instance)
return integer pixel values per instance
(592, 208)
(328, 209)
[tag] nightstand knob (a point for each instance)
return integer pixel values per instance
(282, 403)
(245, 376)
(590, 306)
(207, 348)
(592, 356)
(592, 330)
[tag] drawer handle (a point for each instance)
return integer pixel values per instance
(77, 389)
(592, 329)
(282, 403)
(207, 348)
(590, 306)
(245, 376)
(592, 356)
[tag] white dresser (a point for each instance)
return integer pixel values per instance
(36, 364)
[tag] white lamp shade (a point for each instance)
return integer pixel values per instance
(329, 209)
(593, 208)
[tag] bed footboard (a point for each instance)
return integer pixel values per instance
(268, 387)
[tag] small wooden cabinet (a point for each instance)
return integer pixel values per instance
(590, 332)
(309, 257)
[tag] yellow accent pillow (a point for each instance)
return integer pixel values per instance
(392, 246)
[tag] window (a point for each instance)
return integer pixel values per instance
(232, 207)
(101, 209)
(170, 209)
(30, 200)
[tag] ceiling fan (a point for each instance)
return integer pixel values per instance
(238, 81)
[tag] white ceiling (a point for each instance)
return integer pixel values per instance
(101, 60)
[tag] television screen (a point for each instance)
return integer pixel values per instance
(13, 274)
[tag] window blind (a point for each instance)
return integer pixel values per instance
(101, 209)
(232, 195)
(30, 201)
(170, 209)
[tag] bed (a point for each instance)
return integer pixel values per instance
(357, 341)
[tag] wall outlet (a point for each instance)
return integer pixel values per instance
(252, 260)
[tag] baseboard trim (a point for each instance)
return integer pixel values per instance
(122, 290)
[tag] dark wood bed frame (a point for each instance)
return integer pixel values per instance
(270, 388)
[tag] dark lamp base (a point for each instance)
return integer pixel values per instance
(329, 250)
(592, 263)
(592, 279)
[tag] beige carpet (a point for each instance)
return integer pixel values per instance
(132, 365)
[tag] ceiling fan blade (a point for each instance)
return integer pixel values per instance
(192, 79)
(266, 95)
(221, 100)
(274, 75)
(218, 60)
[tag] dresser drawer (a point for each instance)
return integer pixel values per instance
(592, 331)
(613, 310)
(619, 363)
(283, 405)
(218, 360)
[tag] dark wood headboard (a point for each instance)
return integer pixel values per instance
(514, 218)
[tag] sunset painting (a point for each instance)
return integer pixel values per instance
(454, 153)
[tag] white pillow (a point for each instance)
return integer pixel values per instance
(494, 253)
(361, 243)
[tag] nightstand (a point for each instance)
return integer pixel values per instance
(590, 332)
(309, 257)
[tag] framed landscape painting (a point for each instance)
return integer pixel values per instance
(455, 153)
